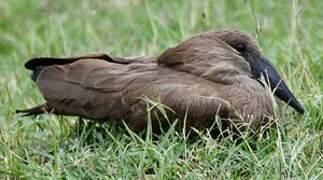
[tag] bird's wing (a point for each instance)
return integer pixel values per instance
(206, 56)
(87, 87)
(101, 90)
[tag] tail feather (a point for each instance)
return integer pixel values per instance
(41, 109)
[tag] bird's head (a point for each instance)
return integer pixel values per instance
(249, 50)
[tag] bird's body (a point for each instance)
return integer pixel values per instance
(200, 78)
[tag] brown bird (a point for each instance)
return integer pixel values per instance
(213, 73)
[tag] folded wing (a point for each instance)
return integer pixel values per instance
(99, 89)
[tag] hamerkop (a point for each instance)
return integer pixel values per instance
(214, 74)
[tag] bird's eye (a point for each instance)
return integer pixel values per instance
(240, 47)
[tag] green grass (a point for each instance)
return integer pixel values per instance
(290, 33)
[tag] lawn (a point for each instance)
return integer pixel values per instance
(291, 36)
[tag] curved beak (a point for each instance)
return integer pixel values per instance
(263, 66)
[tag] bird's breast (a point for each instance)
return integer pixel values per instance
(249, 99)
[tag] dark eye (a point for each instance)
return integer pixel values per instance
(240, 47)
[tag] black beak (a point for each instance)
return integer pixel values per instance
(263, 66)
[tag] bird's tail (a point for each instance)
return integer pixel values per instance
(41, 109)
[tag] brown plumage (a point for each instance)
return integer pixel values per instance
(214, 73)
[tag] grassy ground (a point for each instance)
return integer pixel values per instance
(289, 32)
